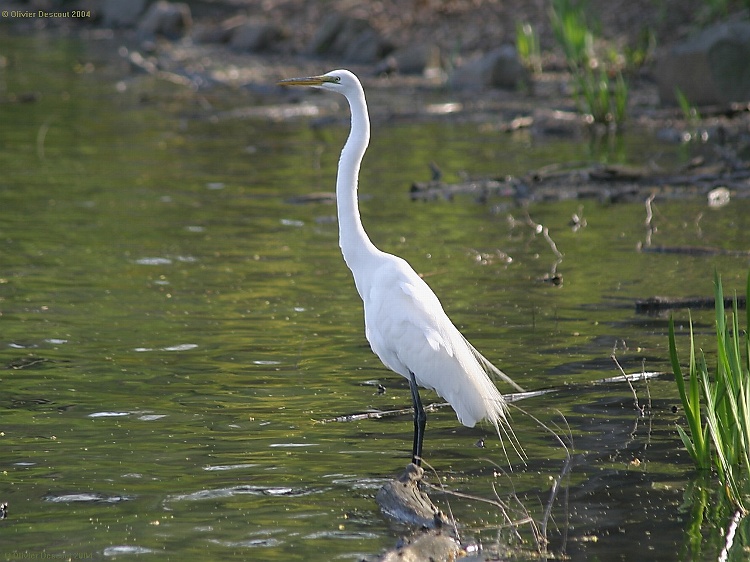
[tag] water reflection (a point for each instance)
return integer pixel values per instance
(174, 331)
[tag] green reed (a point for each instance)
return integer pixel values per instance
(528, 46)
(600, 88)
(717, 408)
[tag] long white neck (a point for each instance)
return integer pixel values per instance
(355, 245)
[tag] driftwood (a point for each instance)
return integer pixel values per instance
(610, 184)
(694, 251)
(653, 305)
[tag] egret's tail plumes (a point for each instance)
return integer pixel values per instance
(496, 406)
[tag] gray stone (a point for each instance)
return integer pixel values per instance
(324, 38)
(500, 68)
(416, 59)
(363, 47)
(172, 20)
(217, 32)
(352, 39)
(254, 37)
(117, 13)
(712, 67)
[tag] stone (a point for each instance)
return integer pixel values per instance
(363, 47)
(221, 32)
(401, 499)
(422, 58)
(500, 68)
(352, 39)
(709, 68)
(325, 36)
(117, 13)
(423, 546)
(254, 37)
(169, 19)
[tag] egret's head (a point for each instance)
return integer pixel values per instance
(341, 81)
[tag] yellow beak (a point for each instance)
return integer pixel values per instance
(309, 81)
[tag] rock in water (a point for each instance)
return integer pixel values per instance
(402, 500)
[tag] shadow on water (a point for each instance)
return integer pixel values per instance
(174, 330)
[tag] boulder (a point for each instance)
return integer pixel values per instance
(217, 32)
(709, 68)
(421, 58)
(117, 13)
(352, 39)
(254, 37)
(169, 19)
(500, 68)
(325, 37)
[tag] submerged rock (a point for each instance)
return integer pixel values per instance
(425, 546)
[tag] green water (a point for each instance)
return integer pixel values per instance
(174, 331)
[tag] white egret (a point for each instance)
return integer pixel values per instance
(404, 321)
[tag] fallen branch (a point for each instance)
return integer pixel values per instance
(653, 305)
(611, 184)
(693, 251)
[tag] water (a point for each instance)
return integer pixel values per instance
(174, 331)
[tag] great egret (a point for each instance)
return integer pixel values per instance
(404, 321)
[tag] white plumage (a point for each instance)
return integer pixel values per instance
(404, 321)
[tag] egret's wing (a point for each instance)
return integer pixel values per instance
(405, 323)
(409, 331)
(425, 313)
(424, 298)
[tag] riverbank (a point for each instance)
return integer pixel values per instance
(194, 47)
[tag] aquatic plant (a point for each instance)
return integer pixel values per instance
(692, 118)
(717, 408)
(528, 46)
(572, 32)
(600, 88)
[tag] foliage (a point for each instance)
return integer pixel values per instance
(601, 88)
(692, 118)
(712, 10)
(689, 111)
(528, 47)
(717, 409)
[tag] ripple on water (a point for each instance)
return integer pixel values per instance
(178, 347)
(245, 489)
(127, 549)
(85, 497)
(263, 542)
(222, 467)
(153, 261)
(142, 416)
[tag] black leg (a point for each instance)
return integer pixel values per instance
(420, 421)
